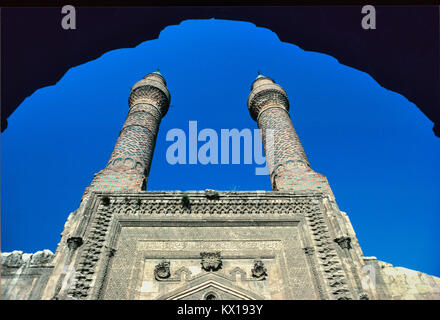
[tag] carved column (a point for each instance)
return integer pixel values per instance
(286, 160)
(130, 161)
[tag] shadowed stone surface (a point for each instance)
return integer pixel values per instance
(130, 161)
(398, 283)
(292, 234)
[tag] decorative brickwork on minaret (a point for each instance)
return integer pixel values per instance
(130, 161)
(286, 160)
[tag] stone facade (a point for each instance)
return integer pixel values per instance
(127, 243)
(398, 283)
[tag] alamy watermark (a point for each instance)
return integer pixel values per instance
(185, 148)
(369, 20)
(69, 20)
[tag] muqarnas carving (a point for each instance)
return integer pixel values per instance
(162, 270)
(211, 261)
(259, 271)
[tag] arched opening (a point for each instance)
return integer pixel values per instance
(211, 296)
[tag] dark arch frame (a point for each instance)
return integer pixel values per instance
(402, 54)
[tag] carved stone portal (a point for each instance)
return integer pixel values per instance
(210, 286)
(259, 271)
(211, 261)
(211, 296)
(162, 270)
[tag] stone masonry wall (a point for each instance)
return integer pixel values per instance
(24, 275)
(398, 283)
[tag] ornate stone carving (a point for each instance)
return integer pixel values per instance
(162, 270)
(264, 94)
(326, 255)
(185, 201)
(12, 259)
(181, 273)
(344, 242)
(211, 261)
(211, 286)
(197, 204)
(152, 95)
(211, 296)
(259, 271)
(268, 98)
(74, 242)
(91, 253)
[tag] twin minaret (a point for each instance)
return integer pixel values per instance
(129, 164)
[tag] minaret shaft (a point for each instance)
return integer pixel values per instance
(135, 145)
(130, 161)
(288, 166)
(286, 149)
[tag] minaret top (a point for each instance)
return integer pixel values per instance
(142, 92)
(265, 92)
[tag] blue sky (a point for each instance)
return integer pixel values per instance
(375, 147)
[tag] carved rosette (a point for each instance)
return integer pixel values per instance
(162, 270)
(259, 271)
(92, 251)
(211, 261)
(74, 242)
(201, 205)
(327, 256)
(325, 252)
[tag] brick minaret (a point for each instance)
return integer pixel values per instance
(130, 161)
(286, 160)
